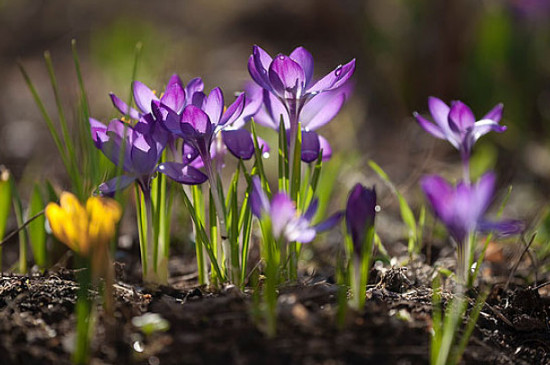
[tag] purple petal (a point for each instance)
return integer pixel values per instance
(483, 194)
(123, 108)
(461, 115)
(503, 228)
(299, 230)
(172, 123)
(360, 214)
(143, 96)
(286, 75)
(182, 174)
(310, 146)
(321, 109)
(194, 86)
(189, 153)
(495, 114)
(258, 64)
(440, 113)
(239, 142)
(440, 195)
(263, 145)
(330, 222)
(213, 105)
(253, 102)
(233, 112)
(95, 128)
(174, 97)
(109, 188)
(143, 155)
(195, 118)
(282, 211)
(305, 60)
(483, 127)
(325, 147)
(429, 127)
(259, 204)
(198, 99)
(270, 115)
(311, 210)
(335, 79)
(174, 80)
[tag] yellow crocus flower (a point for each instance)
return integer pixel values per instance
(83, 228)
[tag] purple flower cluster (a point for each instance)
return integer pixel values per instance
(209, 129)
(461, 208)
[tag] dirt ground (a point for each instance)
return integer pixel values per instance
(221, 326)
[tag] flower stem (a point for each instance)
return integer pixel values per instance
(216, 193)
(149, 271)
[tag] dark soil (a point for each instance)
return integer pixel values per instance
(37, 324)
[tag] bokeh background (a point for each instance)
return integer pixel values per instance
(481, 52)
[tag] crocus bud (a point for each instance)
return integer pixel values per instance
(360, 213)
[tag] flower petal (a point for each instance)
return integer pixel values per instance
(259, 204)
(330, 222)
(460, 116)
(109, 188)
(239, 142)
(258, 64)
(310, 146)
(184, 174)
(271, 113)
(143, 96)
(95, 128)
(194, 86)
(282, 211)
(430, 127)
(360, 214)
(483, 194)
(213, 105)
(325, 147)
(143, 154)
(174, 97)
(335, 79)
(495, 114)
(305, 60)
(123, 108)
(286, 76)
(321, 109)
(440, 113)
(503, 228)
(440, 195)
(196, 118)
(233, 112)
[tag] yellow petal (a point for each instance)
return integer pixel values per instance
(103, 215)
(58, 219)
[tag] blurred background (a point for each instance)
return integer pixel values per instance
(481, 52)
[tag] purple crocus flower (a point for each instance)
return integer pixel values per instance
(198, 124)
(320, 110)
(462, 208)
(176, 97)
(457, 124)
(360, 214)
(290, 79)
(286, 222)
(143, 145)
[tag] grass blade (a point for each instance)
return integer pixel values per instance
(37, 232)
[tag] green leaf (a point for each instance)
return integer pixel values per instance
(5, 200)
(404, 208)
(37, 232)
